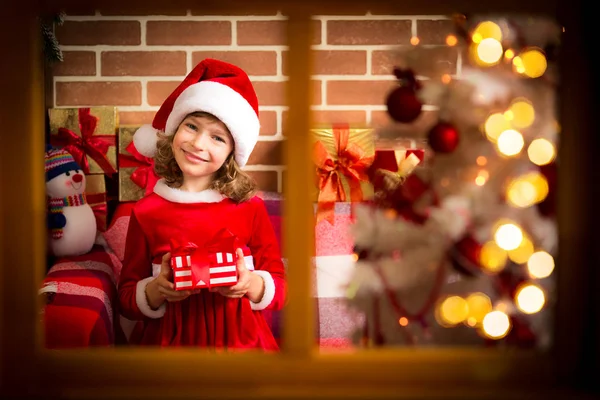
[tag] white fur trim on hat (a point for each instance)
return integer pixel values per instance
(224, 103)
(144, 140)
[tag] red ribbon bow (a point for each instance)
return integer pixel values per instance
(143, 176)
(351, 162)
(87, 144)
(223, 241)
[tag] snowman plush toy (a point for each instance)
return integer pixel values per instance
(71, 221)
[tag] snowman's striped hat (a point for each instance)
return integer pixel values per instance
(59, 161)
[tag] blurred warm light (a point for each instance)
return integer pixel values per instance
(508, 236)
(489, 52)
(451, 40)
(355, 257)
(530, 298)
(453, 310)
(541, 151)
(494, 125)
(534, 63)
(403, 321)
(496, 325)
(481, 161)
(538, 180)
(487, 30)
(446, 78)
(492, 257)
(522, 114)
(414, 40)
(479, 306)
(540, 265)
(509, 54)
(521, 193)
(390, 213)
(518, 65)
(482, 177)
(521, 254)
(510, 142)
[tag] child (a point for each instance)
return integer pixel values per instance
(200, 137)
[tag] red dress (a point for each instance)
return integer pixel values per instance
(206, 319)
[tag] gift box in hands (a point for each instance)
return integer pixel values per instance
(213, 265)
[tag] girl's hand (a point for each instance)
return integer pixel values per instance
(248, 283)
(162, 288)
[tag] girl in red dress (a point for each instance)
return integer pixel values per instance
(200, 138)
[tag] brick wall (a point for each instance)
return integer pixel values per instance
(134, 62)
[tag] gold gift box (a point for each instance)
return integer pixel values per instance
(362, 137)
(95, 193)
(128, 190)
(108, 125)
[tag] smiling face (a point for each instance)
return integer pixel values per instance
(201, 145)
(68, 184)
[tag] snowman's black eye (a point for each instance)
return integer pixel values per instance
(68, 173)
(76, 171)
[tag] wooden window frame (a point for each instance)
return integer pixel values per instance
(299, 370)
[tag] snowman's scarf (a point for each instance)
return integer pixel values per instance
(56, 205)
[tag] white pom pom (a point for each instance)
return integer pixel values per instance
(144, 140)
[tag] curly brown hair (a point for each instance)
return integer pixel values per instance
(230, 180)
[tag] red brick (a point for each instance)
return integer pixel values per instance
(159, 91)
(266, 180)
(268, 123)
(333, 62)
(136, 117)
(368, 32)
(98, 93)
(143, 63)
(269, 32)
(273, 93)
(76, 63)
(188, 33)
(416, 130)
(324, 117)
(436, 61)
(99, 32)
(267, 153)
(253, 62)
(434, 31)
(358, 92)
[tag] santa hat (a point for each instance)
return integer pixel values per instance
(58, 161)
(215, 87)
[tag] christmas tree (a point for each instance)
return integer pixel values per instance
(458, 245)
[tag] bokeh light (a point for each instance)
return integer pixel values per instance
(492, 257)
(540, 265)
(479, 305)
(522, 114)
(486, 30)
(489, 51)
(496, 325)
(453, 310)
(541, 151)
(530, 298)
(521, 254)
(508, 236)
(510, 142)
(494, 125)
(534, 63)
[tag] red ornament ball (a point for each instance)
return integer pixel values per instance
(465, 256)
(403, 105)
(443, 138)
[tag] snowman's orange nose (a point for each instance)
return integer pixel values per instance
(77, 178)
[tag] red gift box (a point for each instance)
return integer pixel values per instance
(203, 267)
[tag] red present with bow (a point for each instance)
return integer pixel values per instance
(89, 134)
(213, 265)
(393, 166)
(136, 172)
(342, 156)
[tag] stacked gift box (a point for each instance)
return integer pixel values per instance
(351, 166)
